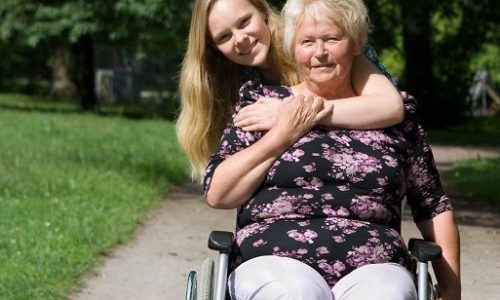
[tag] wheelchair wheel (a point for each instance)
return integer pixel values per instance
(205, 280)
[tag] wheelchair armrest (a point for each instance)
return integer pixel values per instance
(221, 241)
(424, 251)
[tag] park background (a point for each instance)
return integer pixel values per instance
(88, 101)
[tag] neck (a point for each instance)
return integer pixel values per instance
(329, 92)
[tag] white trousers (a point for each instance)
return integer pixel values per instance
(274, 277)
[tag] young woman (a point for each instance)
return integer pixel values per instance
(233, 40)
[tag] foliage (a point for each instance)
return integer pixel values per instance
(71, 187)
(146, 21)
(478, 178)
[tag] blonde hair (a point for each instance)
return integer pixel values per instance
(350, 15)
(209, 84)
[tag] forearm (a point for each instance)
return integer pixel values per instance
(365, 112)
(443, 230)
(237, 178)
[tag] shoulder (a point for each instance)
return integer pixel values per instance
(252, 90)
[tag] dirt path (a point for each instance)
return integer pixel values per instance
(154, 265)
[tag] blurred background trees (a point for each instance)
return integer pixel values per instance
(58, 47)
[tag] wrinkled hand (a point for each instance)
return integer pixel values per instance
(259, 116)
(299, 114)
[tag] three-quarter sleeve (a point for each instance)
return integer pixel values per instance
(425, 193)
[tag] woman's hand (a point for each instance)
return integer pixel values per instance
(299, 114)
(260, 116)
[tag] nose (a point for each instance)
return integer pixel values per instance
(239, 37)
(319, 50)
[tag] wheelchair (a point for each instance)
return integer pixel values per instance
(206, 286)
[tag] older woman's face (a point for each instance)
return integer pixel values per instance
(323, 55)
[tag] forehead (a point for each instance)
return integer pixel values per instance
(221, 8)
(223, 14)
(309, 24)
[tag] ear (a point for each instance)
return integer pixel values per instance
(358, 49)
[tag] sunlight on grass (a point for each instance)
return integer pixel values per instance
(71, 187)
(480, 178)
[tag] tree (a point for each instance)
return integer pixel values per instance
(71, 27)
(438, 41)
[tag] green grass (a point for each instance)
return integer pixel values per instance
(72, 186)
(479, 178)
(143, 109)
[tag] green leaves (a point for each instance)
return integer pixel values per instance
(33, 22)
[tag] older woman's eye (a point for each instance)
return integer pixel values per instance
(333, 39)
(306, 42)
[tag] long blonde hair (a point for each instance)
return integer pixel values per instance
(209, 84)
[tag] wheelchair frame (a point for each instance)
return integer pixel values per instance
(421, 251)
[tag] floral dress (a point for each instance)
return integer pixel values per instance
(333, 199)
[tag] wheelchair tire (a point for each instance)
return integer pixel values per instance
(205, 280)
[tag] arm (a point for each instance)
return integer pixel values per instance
(379, 104)
(431, 208)
(443, 230)
(237, 178)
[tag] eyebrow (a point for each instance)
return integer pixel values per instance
(238, 21)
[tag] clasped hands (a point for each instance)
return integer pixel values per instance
(297, 114)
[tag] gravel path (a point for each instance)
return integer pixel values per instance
(154, 265)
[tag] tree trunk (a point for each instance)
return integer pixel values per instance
(63, 85)
(83, 51)
(418, 77)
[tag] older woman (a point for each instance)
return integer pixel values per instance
(320, 209)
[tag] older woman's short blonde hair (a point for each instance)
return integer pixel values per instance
(350, 15)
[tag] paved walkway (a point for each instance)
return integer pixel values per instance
(154, 265)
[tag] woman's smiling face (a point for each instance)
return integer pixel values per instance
(323, 54)
(240, 32)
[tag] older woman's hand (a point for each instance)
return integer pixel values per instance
(299, 114)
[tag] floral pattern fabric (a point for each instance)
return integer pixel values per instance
(333, 199)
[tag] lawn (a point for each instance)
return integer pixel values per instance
(72, 186)
(477, 177)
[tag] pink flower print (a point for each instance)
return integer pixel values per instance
(383, 181)
(341, 139)
(294, 156)
(246, 137)
(281, 205)
(339, 239)
(321, 250)
(341, 212)
(306, 237)
(327, 196)
(314, 184)
(258, 243)
(390, 161)
(343, 188)
(332, 269)
(304, 223)
(310, 168)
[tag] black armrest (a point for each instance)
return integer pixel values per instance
(424, 251)
(221, 241)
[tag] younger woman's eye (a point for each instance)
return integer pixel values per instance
(244, 22)
(223, 38)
